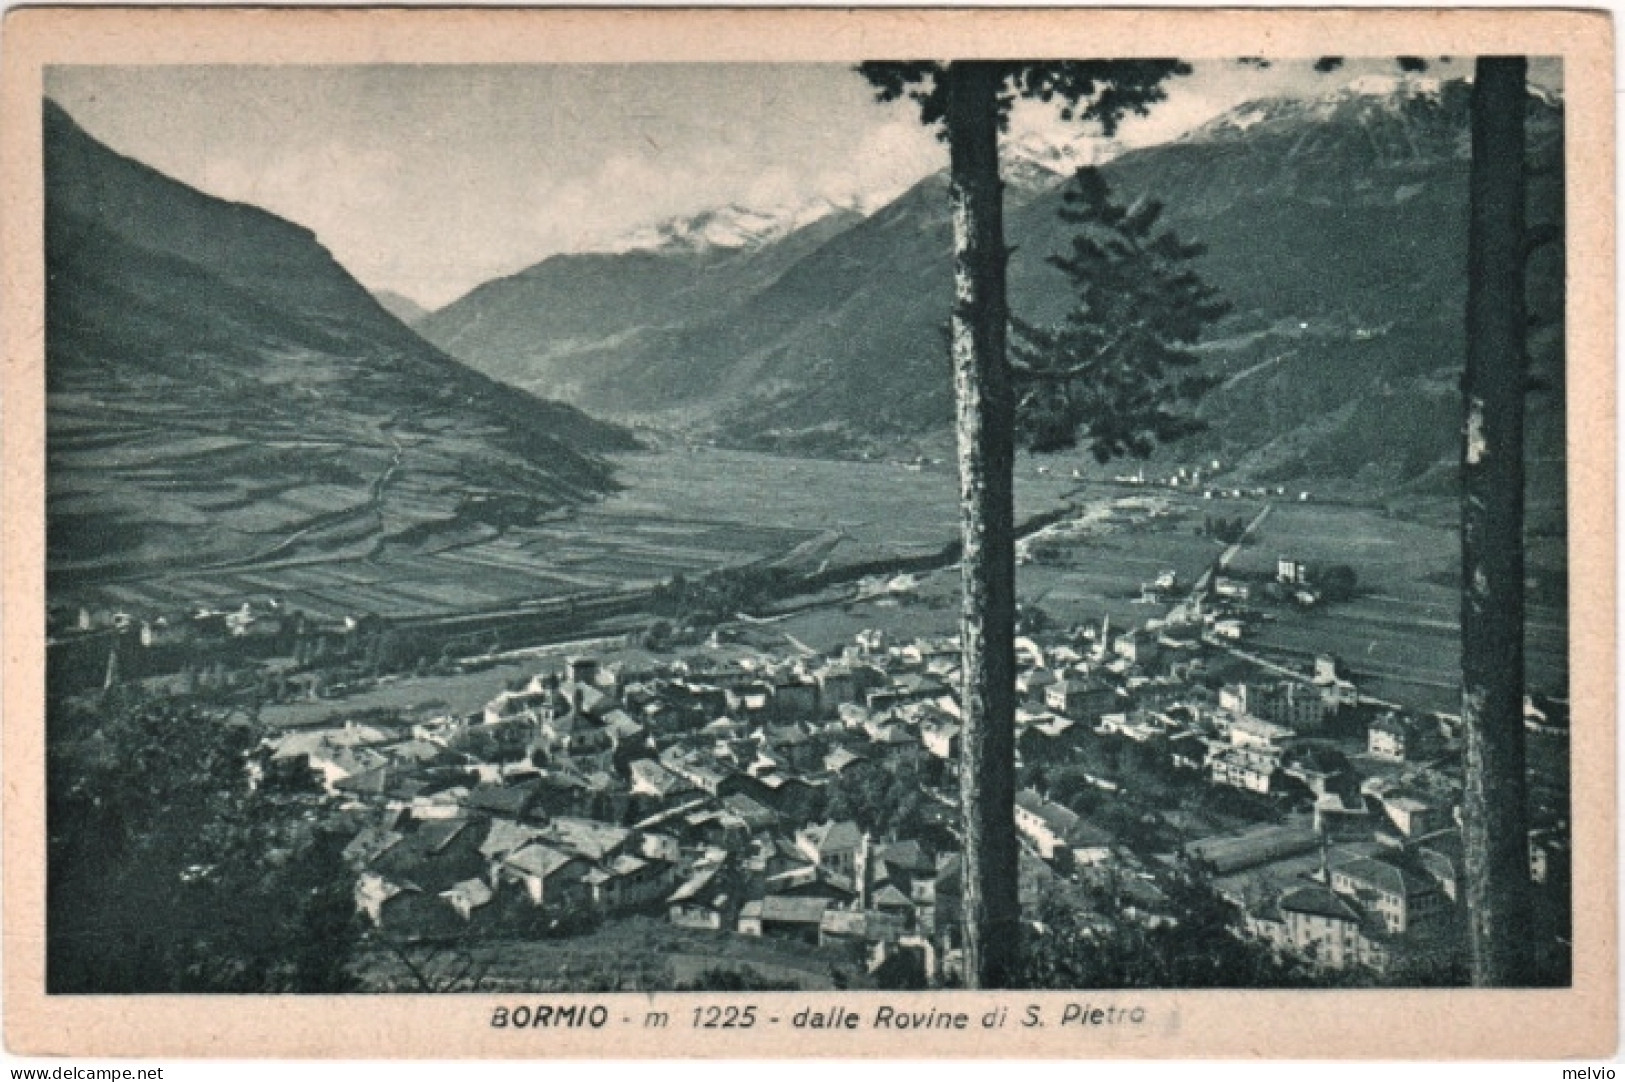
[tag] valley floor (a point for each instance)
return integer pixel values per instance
(649, 835)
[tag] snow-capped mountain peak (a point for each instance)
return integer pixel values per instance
(727, 227)
(1039, 161)
(1371, 98)
(1396, 84)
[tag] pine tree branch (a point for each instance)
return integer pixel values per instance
(1025, 371)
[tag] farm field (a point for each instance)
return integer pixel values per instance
(931, 611)
(1401, 635)
(1098, 558)
(1384, 551)
(685, 512)
(689, 512)
(869, 510)
(1094, 565)
(461, 693)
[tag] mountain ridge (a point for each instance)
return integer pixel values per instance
(221, 392)
(402, 307)
(1335, 225)
(556, 314)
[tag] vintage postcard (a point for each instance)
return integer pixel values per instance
(571, 533)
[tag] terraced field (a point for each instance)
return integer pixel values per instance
(684, 512)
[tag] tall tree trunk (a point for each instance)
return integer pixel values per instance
(986, 421)
(1495, 816)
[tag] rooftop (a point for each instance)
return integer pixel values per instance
(539, 860)
(588, 837)
(1386, 877)
(833, 837)
(787, 910)
(1320, 902)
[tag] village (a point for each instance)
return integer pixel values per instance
(755, 790)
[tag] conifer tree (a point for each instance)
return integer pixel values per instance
(969, 102)
(1117, 372)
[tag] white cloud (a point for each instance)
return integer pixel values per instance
(430, 180)
(889, 158)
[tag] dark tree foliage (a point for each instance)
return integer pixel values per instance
(719, 594)
(1198, 949)
(723, 979)
(888, 801)
(1118, 370)
(1101, 91)
(167, 873)
(902, 971)
(1227, 530)
(1337, 582)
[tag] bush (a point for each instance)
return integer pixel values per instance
(1198, 949)
(1337, 582)
(744, 979)
(157, 871)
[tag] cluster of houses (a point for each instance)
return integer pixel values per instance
(259, 616)
(685, 789)
(693, 789)
(237, 645)
(1200, 478)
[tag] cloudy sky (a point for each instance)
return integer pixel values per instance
(429, 180)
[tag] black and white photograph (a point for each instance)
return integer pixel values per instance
(555, 529)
